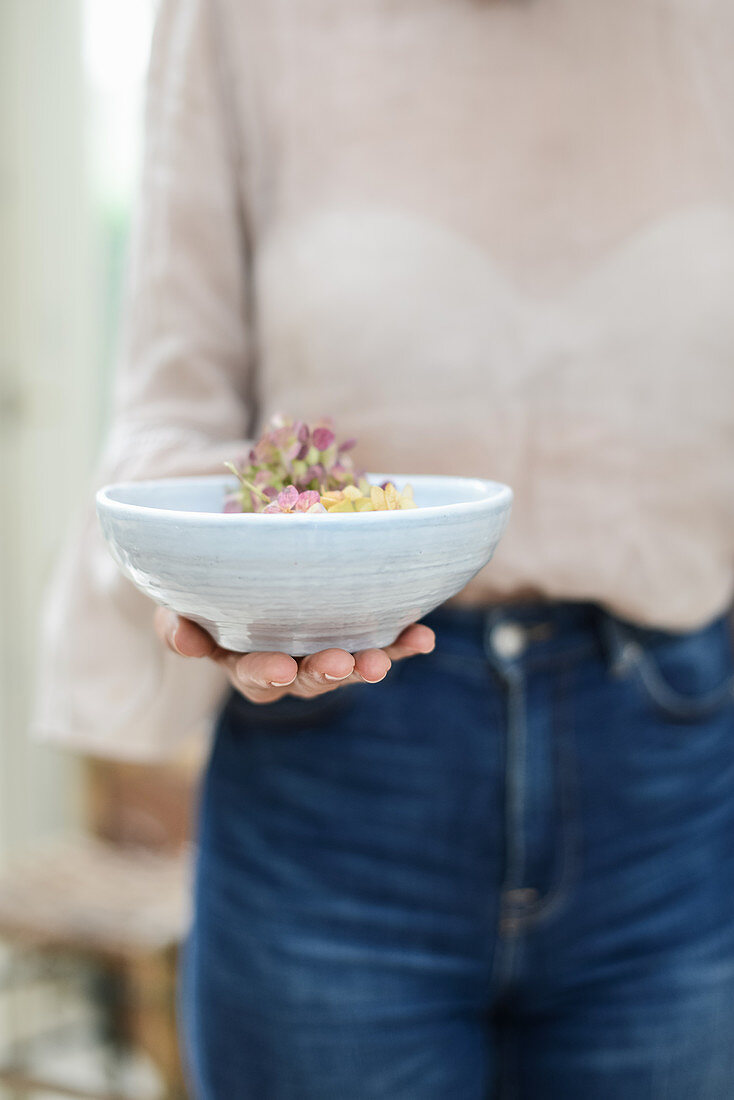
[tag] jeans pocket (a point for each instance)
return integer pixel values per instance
(685, 677)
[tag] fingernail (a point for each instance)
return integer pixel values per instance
(336, 678)
(279, 683)
(173, 625)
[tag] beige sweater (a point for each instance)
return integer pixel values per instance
(489, 237)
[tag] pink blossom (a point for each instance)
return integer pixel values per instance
(290, 500)
(323, 438)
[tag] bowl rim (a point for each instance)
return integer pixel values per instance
(497, 495)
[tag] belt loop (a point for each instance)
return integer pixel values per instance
(491, 618)
(619, 647)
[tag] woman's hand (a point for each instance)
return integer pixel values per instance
(265, 677)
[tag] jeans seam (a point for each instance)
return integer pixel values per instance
(563, 738)
(516, 779)
(512, 683)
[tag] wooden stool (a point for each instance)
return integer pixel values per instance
(121, 913)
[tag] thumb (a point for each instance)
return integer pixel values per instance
(181, 635)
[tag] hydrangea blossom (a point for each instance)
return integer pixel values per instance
(289, 452)
(369, 498)
(295, 468)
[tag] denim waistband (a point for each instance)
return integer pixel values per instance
(563, 615)
(543, 630)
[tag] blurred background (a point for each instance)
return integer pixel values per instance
(93, 856)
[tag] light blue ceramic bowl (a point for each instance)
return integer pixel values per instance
(301, 583)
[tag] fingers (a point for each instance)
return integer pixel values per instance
(265, 677)
(311, 676)
(414, 639)
(323, 671)
(372, 665)
(260, 674)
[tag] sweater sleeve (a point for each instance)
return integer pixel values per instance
(180, 406)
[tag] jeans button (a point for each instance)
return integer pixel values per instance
(507, 640)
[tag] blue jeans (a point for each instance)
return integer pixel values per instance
(506, 871)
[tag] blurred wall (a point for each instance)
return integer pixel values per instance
(71, 90)
(49, 387)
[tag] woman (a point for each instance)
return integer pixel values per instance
(491, 238)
